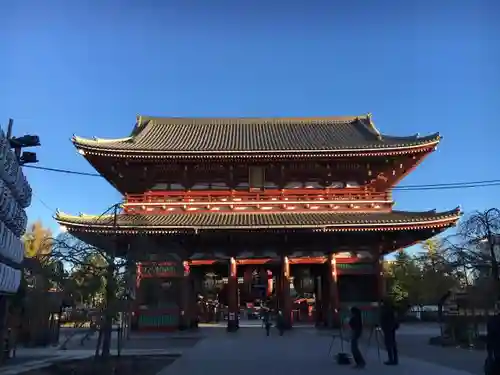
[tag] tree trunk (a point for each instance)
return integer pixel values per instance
(494, 271)
(108, 312)
(99, 342)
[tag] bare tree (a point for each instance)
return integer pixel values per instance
(77, 254)
(472, 250)
(481, 232)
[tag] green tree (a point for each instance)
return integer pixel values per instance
(89, 280)
(437, 275)
(404, 277)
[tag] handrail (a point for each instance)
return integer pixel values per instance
(246, 192)
(167, 197)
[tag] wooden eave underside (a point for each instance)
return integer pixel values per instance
(251, 245)
(136, 176)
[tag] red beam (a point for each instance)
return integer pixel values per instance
(202, 262)
(314, 260)
(254, 261)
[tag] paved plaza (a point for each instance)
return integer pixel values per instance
(300, 351)
(249, 351)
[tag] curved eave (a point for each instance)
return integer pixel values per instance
(112, 148)
(91, 224)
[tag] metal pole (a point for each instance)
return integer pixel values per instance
(113, 257)
(9, 128)
(17, 150)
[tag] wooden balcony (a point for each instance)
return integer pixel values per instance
(351, 199)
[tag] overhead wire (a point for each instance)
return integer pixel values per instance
(58, 170)
(423, 187)
(43, 203)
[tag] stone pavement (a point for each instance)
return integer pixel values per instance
(249, 350)
(415, 344)
(13, 368)
(142, 341)
(300, 351)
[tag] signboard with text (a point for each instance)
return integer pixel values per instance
(160, 269)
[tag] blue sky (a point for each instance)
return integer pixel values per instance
(89, 67)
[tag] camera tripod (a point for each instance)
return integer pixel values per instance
(379, 337)
(334, 337)
(342, 357)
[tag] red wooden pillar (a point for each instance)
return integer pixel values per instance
(269, 289)
(334, 301)
(319, 300)
(285, 292)
(186, 308)
(379, 269)
(132, 286)
(136, 314)
(232, 289)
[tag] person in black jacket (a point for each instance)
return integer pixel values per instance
(492, 364)
(356, 325)
(280, 322)
(389, 324)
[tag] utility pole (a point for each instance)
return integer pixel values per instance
(19, 143)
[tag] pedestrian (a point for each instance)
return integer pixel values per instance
(280, 323)
(266, 321)
(492, 363)
(268, 327)
(356, 325)
(389, 325)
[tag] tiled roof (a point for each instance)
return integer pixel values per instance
(285, 220)
(253, 135)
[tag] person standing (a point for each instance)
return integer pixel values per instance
(492, 363)
(266, 321)
(280, 323)
(356, 325)
(389, 325)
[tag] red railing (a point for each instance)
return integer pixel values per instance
(271, 196)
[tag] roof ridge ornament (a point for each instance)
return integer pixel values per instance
(372, 126)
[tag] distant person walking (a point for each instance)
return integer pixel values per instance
(356, 325)
(389, 325)
(266, 322)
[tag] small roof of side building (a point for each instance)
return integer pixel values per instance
(163, 137)
(316, 221)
